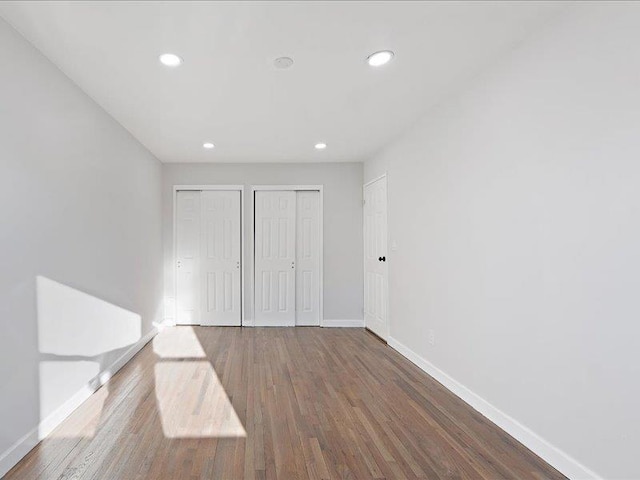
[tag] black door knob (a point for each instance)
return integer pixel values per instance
(382, 259)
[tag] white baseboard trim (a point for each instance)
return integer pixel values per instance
(555, 457)
(17, 451)
(10, 457)
(354, 323)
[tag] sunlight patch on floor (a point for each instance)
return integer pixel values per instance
(178, 342)
(193, 403)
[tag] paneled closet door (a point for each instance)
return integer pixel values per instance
(208, 246)
(308, 258)
(220, 258)
(275, 257)
(188, 258)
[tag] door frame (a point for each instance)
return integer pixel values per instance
(197, 188)
(364, 254)
(252, 240)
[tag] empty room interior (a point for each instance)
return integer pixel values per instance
(320, 240)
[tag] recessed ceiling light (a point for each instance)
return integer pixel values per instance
(283, 63)
(380, 58)
(321, 146)
(208, 145)
(170, 60)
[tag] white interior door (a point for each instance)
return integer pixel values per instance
(208, 251)
(275, 256)
(188, 258)
(375, 257)
(308, 257)
(220, 258)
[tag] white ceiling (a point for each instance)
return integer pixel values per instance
(228, 92)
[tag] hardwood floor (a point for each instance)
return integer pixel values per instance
(290, 403)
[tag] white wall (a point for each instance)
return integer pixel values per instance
(516, 209)
(343, 290)
(81, 241)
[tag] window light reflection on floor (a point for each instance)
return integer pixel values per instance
(193, 403)
(178, 342)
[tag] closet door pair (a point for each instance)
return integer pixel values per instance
(287, 258)
(208, 253)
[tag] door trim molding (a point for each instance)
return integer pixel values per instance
(371, 182)
(196, 188)
(252, 238)
(364, 252)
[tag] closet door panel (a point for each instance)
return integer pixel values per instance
(188, 257)
(308, 258)
(275, 256)
(220, 244)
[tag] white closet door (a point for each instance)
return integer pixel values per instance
(308, 258)
(275, 223)
(188, 256)
(375, 257)
(220, 258)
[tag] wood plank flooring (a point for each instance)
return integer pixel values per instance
(267, 403)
